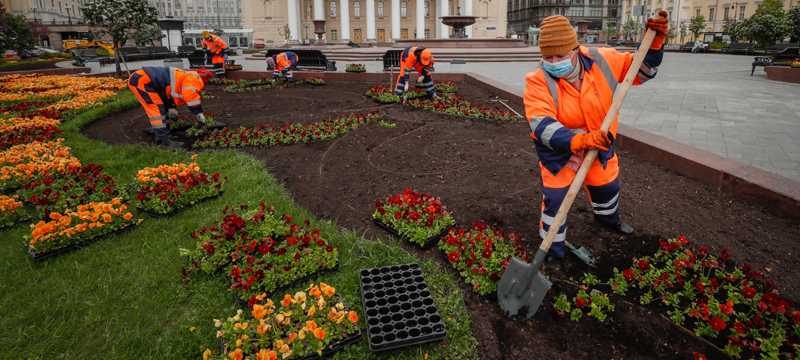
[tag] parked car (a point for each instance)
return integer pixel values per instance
(786, 56)
(695, 47)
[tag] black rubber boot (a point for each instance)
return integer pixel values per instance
(621, 228)
(161, 137)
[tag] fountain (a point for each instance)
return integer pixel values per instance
(458, 23)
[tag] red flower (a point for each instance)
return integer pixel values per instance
(749, 292)
(796, 317)
(739, 327)
(453, 256)
(208, 247)
(699, 286)
(413, 215)
(717, 323)
(699, 356)
(727, 307)
(643, 264)
(398, 215)
(581, 302)
(628, 274)
(291, 240)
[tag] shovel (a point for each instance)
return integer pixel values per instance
(582, 253)
(523, 286)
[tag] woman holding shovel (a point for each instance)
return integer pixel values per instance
(565, 103)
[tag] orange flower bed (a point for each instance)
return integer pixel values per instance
(71, 92)
(85, 223)
(20, 163)
(12, 211)
(23, 130)
(297, 327)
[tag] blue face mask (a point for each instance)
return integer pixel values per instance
(558, 69)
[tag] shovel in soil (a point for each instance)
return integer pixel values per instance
(582, 253)
(523, 286)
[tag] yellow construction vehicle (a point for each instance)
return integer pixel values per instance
(87, 44)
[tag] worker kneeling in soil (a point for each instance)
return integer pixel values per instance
(216, 47)
(419, 60)
(565, 103)
(282, 65)
(160, 89)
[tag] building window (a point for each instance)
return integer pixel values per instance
(333, 10)
(309, 10)
(334, 35)
(427, 33)
(711, 14)
(726, 13)
(697, 12)
(403, 8)
(427, 10)
(357, 8)
(741, 11)
(380, 8)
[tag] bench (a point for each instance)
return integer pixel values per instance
(157, 52)
(309, 59)
(391, 60)
(739, 48)
(760, 61)
(185, 50)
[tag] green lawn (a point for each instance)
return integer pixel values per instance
(122, 297)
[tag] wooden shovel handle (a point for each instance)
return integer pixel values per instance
(577, 183)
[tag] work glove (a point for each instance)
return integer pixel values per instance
(202, 119)
(660, 25)
(172, 114)
(594, 139)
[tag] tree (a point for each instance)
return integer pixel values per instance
(794, 18)
(16, 33)
(610, 30)
(147, 35)
(737, 30)
(696, 25)
(631, 29)
(769, 24)
(684, 29)
(119, 19)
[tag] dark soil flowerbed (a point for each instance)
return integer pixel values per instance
(487, 171)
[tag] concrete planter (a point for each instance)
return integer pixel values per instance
(783, 73)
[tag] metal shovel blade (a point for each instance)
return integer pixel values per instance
(522, 287)
(584, 254)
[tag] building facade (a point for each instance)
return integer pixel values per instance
(594, 20)
(48, 12)
(202, 14)
(368, 21)
(716, 13)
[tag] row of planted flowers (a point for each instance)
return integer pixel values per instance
(448, 103)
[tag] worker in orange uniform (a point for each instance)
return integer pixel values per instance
(282, 65)
(566, 100)
(160, 89)
(419, 60)
(216, 48)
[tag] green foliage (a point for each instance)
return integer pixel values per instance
(590, 279)
(562, 304)
(696, 25)
(794, 18)
(631, 28)
(768, 25)
(147, 35)
(120, 19)
(15, 32)
(618, 284)
(737, 30)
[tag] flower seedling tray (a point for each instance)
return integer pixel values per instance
(336, 347)
(393, 232)
(399, 309)
(41, 256)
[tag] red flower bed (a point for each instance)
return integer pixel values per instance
(730, 304)
(261, 251)
(481, 254)
(415, 216)
(78, 185)
(286, 134)
(455, 105)
(21, 130)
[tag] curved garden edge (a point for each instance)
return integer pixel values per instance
(138, 272)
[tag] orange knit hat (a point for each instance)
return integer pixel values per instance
(556, 36)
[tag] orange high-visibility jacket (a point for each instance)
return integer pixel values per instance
(182, 86)
(556, 110)
(409, 60)
(286, 60)
(215, 45)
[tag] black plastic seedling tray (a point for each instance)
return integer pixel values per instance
(399, 308)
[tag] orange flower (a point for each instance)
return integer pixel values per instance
(262, 328)
(315, 292)
(106, 218)
(128, 216)
(9, 204)
(292, 336)
(259, 311)
(241, 325)
(319, 333)
(236, 355)
(311, 325)
(287, 300)
(352, 316)
(327, 290)
(265, 354)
